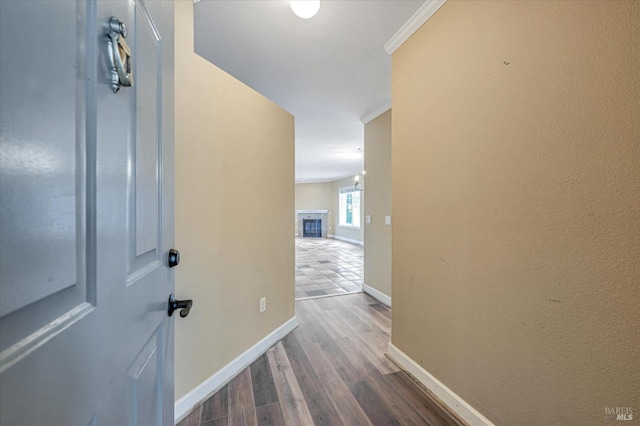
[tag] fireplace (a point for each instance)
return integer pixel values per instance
(312, 228)
(312, 223)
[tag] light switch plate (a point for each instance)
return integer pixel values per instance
(387, 220)
(368, 218)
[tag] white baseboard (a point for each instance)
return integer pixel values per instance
(348, 240)
(446, 395)
(184, 405)
(377, 294)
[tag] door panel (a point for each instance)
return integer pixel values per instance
(87, 215)
(145, 376)
(35, 172)
(42, 214)
(147, 149)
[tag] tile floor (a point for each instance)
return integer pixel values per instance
(325, 266)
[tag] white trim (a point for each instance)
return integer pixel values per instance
(184, 405)
(348, 240)
(347, 189)
(376, 113)
(320, 211)
(411, 26)
(305, 181)
(299, 182)
(377, 294)
(446, 395)
(350, 227)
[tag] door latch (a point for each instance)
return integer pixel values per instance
(183, 305)
(119, 55)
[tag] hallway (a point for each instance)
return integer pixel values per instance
(331, 370)
(325, 266)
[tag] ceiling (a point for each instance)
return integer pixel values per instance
(329, 71)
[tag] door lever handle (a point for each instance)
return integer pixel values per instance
(183, 305)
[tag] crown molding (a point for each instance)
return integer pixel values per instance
(411, 26)
(376, 113)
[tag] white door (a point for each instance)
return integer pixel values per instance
(86, 215)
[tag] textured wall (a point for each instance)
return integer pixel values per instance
(234, 174)
(516, 201)
(377, 163)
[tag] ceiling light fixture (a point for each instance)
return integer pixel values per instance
(358, 186)
(305, 8)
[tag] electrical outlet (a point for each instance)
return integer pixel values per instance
(263, 304)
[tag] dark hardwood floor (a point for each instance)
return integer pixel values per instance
(329, 371)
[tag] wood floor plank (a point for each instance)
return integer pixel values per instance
(217, 406)
(348, 371)
(354, 321)
(383, 364)
(270, 415)
(384, 310)
(428, 408)
(337, 390)
(372, 404)
(306, 376)
(222, 421)
(241, 403)
(193, 419)
(331, 370)
(379, 342)
(294, 407)
(395, 403)
(332, 325)
(322, 410)
(374, 317)
(358, 359)
(312, 325)
(264, 388)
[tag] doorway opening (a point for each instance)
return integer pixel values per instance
(328, 267)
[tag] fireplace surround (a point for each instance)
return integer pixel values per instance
(311, 217)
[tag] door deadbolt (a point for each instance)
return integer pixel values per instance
(174, 258)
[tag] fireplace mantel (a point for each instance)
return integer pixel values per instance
(320, 211)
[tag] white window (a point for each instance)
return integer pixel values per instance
(349, 207)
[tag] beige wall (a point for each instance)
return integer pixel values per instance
(234, 172)
(315, 196)
(342, 231)
(516, 201)
(377, 163)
